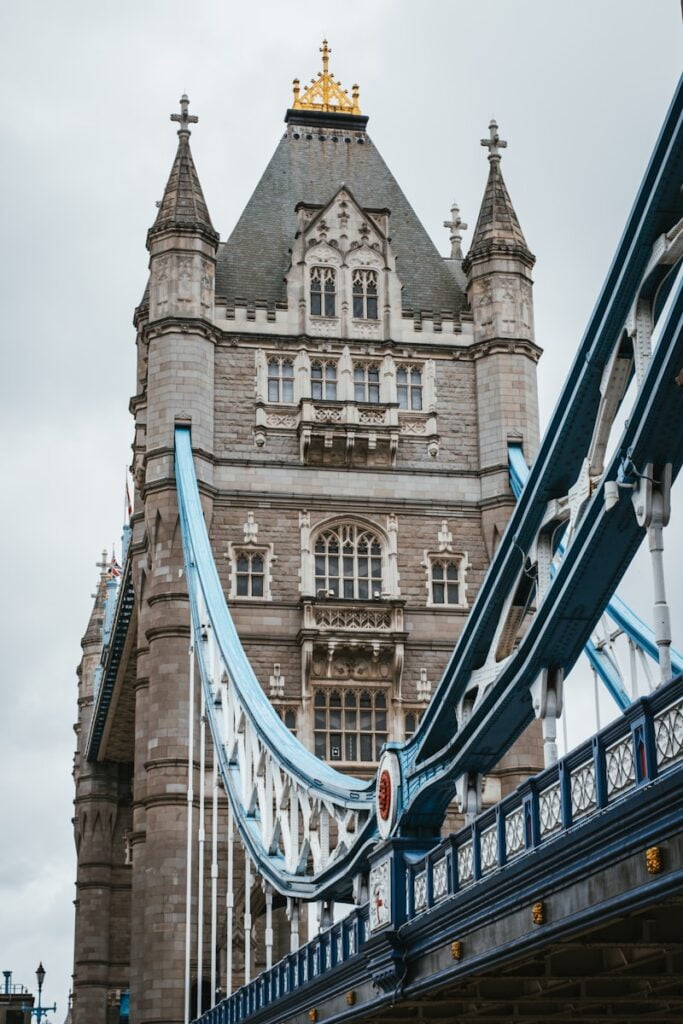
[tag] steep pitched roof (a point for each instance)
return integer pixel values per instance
(497, 221)
(309, 165)
(183, 205)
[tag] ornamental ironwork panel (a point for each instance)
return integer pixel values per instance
(669, 734)
(621, 769)
(582, 788)
(550, 809)
(514, 833)
(489, 849)
(420, 891)
(440, 879)
(465, 863)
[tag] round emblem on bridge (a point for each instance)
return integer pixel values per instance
(387, 795)
(384, 795)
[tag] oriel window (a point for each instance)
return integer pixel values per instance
(324, 381)
(364, 283)
(280, 380)
(349, 724)
(409, 387)
(323, 291)
(366, 383)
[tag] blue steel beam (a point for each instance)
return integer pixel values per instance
(617, 609)
(602, 547)
(658, 205)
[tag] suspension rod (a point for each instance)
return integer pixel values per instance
(190, 801)
(229, 902)
(214, 878)
(200, 866)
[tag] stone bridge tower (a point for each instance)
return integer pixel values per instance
(351, 394)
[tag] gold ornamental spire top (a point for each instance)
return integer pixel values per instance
(324, 92)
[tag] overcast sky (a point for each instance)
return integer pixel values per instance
(579, 91)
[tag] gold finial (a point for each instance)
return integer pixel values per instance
(326, 51)
(324, 92)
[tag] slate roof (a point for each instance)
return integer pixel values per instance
(183, 204)
(497, 221)
(311, 168)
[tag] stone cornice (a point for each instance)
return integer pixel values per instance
(180, 325)
(168, 631)
(508, 346)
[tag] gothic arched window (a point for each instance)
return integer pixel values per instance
(409, 387)
(348, 563)
(323, 291)
(410, 723)
(445, 581)
(249, 573)
(364, 283)
(349, 724)
(366, 383)
(280, 380)
(324, 381)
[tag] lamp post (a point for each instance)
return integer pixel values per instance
(40, 1011)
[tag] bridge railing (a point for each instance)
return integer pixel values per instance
(634, 750)
(331, 948)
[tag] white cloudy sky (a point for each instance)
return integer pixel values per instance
(578, 89)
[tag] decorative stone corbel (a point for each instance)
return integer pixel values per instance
(392, 555)
(277, 682)
(424, 686)
(307, 585)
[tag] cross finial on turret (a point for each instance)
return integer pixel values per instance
(326, 51)
(494, 141)
(457, 226)
(183, 118)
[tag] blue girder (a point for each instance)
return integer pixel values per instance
(617, 610)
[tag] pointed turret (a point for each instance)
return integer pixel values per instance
(93, 632)
(183, 207)
(497, 225)
(498, 268)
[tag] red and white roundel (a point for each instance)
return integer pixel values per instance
(386, 798)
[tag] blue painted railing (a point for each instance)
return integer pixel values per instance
(639, 747)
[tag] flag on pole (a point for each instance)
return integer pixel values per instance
(128, 504)
(113, 569)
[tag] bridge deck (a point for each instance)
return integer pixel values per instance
(584, 921)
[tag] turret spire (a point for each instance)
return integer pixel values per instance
(183, 205)
(457, 226)
(497, 224)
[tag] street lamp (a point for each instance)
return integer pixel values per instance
(40, 1011)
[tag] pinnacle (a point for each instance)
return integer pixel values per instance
(183, 205)
(497, 223)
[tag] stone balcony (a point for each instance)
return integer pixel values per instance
(354, 640)
(346, 433)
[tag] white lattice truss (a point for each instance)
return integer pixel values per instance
(295, 825)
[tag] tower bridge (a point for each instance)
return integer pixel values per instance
(318, 775)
